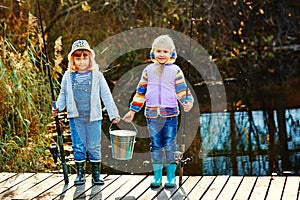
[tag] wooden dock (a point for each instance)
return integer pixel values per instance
(127, 187)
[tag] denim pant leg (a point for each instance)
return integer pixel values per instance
(169, 133)
(154, 128)
(94, 140)
(78, 133)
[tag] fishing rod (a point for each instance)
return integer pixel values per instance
(53, 148)
(179, 155)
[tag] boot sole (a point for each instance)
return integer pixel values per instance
(98, 183)
(80, 183)
(155, 186)
(170, 186)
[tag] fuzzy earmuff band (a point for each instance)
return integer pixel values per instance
(170, 61)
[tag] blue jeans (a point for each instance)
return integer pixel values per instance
(86, 137)
(163, 133)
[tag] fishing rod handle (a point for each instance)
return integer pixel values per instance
(54, 104)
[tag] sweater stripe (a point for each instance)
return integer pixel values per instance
(152, 112)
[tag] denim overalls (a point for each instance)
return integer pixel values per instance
(86, 135)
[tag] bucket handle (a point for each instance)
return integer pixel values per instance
(130, 123)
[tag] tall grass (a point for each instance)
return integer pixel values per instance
(25, 105)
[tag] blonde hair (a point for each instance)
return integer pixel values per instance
(163, 41)
(92, 65)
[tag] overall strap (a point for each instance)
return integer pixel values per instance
(73, 77)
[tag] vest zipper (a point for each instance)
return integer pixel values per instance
(163, 68)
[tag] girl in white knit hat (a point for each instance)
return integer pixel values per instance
(82, 88)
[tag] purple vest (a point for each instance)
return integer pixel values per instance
(161, 90)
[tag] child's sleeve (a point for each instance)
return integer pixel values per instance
(108, 99)
(180, 87)
(139, 97)
(61, 99)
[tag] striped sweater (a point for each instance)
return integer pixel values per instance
(160, 92)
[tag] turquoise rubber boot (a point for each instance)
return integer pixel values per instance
(157, 168)
(171, 178)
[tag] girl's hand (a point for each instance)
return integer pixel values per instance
(129, 116)
(187, 106)
(54, 112)
(116, 120)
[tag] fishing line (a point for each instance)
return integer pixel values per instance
(61, 152)
(182, 147)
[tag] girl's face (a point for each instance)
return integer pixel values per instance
(162, 55)
(82, 60)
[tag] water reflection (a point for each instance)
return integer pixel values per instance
(251, 153)
(216, 149)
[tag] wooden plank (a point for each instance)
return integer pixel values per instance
(17, 190)
(49, 186)
(168, 192)
(245, 188)
(186, 187)
(150, 193)
(6, 175)
(261, 187)
(140, 188)
(56, 189)
(114, 186)
(215, 188)
(201, 187)
(75, 191)
(13, 181)
(42, 187)
(291, 189)
(276, 188)
(95, 191)
(133, 181)
(230, 187)
(80, 191)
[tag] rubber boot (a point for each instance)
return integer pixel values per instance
(171, 178)
(80, 179)
(96, 174)
(157, 169)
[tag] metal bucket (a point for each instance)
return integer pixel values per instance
(122, 142)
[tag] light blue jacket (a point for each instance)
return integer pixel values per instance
(99, 90)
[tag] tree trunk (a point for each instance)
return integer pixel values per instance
(272, 151)
(233, 143)
(284, 154)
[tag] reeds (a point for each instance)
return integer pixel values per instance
(25, 103)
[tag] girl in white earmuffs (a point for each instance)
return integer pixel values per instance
(161, 86)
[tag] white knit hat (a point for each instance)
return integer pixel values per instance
(81, 44)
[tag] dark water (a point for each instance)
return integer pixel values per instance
(216, 144)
